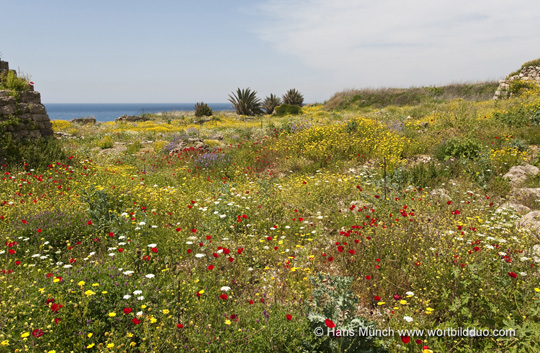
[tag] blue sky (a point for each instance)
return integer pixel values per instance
(190, 51)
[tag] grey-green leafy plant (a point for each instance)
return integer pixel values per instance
(202, 109)
(293, 97)
(245, 102)
(270, 103)
(334, 300)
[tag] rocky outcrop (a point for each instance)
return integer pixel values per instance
(22, 116)
(519, 174)
(526, 74)
(131, 118)
(83, 121)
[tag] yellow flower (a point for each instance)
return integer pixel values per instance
(53, 351)
(165, 311)
(89, 293)
(56, 280)
(133, 344)
(4, 343)
(227, 322)
(91, 345)
(153, 319)
(90, 334)
(381, 303)
(201, 291)
(26, 334)
(81, 283)
(112, 314)
(143, 306)
(104, 292)
(110, 345)
(402, 302)
(537, 289)
(130, 335)
(95, 284)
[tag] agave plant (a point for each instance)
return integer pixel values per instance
(245, 102)
(293, 97)
(202, 109)
(270, 103)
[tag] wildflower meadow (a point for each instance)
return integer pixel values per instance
(334, 230)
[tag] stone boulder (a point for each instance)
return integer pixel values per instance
(530, 221)
(131, 118)
(83, 121)
(519, 174)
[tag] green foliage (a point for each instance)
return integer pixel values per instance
(245, 102)
(202, 109)
(458, 147)
(134, 147)
(384, 97)
(270, 103)
(10, 81)
(293, 97)
(333, 300)
(38, 154)
(518, 87)
(287, 109)
(106, 142)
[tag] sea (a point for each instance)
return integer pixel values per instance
(111, 111)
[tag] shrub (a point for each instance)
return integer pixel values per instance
(245, 102)
(293, 97)
(518, 87)
(202, 109)
(458, 148)
(106, 142)
(287, 109)
(10, 81)
(270, 103)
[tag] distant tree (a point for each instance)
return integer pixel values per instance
(202, 109)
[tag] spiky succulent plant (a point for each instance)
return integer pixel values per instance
(293, 97)
(270, 103)
(245, 102)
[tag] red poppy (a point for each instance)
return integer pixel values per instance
(179, 325)
(329, 323)
(178, 229)
(368, 277)
(289, 317)
(189, 251)
(57, 320)
(120, 249)
(226, 251)
(512, 274)
(39, 230)
(251, 302)
(111, 234)
(377, 298)
(127, 310)
(154, 250)
(37, 333)
(234, 317)
(211, 267)
(418, 341)
(397, 297)
(352, 252)
(24, 221)
(231, 259)
(224, 296)
(240, 250)
(89, 223)
(136, 321)
(405, 339)
(17, 262)
(55, 307)
(331, 258)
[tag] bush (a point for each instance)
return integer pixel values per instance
(202, 109)
(37, 154)
(106, 142)
(458, 148)
(287, 109)
(518, 87)
(10, 81)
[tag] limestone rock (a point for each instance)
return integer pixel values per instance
(530, 221)
(441, 194)
(521, 209)
(83, 121)
(518, 174)
(131, 118)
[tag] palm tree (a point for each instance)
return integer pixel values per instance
(270, 103)
(246, 102)
(293, 97)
